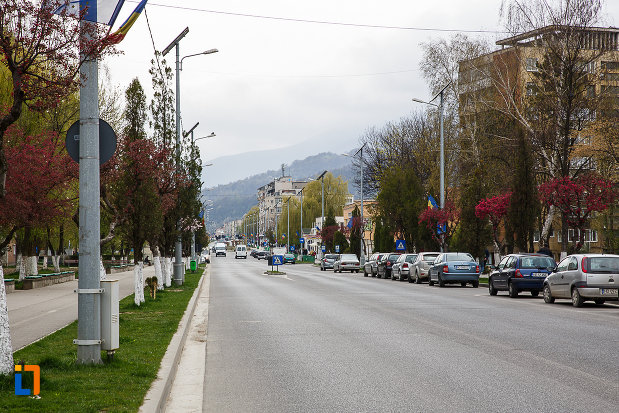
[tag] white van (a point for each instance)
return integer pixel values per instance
(240, 252)
(220, 249)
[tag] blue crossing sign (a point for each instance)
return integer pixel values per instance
(400, 245)
(278, 260)
(292, 248)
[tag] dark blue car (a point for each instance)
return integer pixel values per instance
(520, 272)
(454, 268)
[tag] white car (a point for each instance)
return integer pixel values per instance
(206, 256)
(240, 251)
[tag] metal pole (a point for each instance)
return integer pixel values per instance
(301, 245)
(288, 228)
(88, 298)
(362, 253)
(179, 269)
(442, 163)
(322, 217)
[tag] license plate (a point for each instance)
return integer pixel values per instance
(538, 274)
(462, 267)
(608, 291)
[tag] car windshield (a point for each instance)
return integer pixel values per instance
(603, 264)
(393, 257)
(349, 257)
(458, 256)
(537, 262)
(410, 258)
(331, 256)
(429, 257)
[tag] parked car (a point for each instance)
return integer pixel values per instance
(420, 268)
(385, 263)
(346, 262)
(262, 255)
(289, 258)
(401, 268)
(240, 252)
(584, 277)
(206, 256)
(371, 265)
(327, 261)
(520, 272)
(453, 268)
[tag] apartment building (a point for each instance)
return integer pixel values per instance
(271, 198)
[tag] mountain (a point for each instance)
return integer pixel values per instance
(232, 200)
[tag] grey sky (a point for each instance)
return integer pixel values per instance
(276, 83)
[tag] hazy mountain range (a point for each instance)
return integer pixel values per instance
(232, 200)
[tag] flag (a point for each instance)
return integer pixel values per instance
(432, 202)
(283, 235)
(297, 233)
(97, 11)
(120, 34)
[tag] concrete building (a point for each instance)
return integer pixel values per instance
(270, 199)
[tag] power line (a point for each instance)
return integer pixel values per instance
(333, 23)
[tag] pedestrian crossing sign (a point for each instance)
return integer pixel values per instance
(278, 260)
(400, 245)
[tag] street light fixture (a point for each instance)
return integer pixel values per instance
(212, 135)
(361, 250)
(179, 272)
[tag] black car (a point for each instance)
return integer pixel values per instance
(262, 255)
(520, 272)
(385, 263)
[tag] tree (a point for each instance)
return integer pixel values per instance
(329, 229)
(578, 199)
(441, 222)
(356, 228)
(40, 52)
(340, 239)
(495, 209)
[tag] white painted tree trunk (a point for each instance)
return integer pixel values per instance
(158, 271)
(56, 262)
(32, 267)
(45, 261)
(168, 276)
(102, 274)
(139, 284)
(6, 349)
(21, 266)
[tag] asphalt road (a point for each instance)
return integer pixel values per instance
(36, 313)
(318, 341)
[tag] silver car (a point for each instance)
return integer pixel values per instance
(584, 277)
(401, 268)
(419, 269)
(346, 262)
(371, 265)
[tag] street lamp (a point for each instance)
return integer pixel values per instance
(322, 217)
(211, 135)
(440, 107)
(178, 248)
(360, 152)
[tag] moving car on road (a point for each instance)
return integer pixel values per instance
(327, 261)
(220, 249)
(240, 252)
(421, 266)
(346, 262)
(520, 272)
(289, 258)
(385, 264)
(584, 277)
(262, 255)
(401, 268)
(454, 268)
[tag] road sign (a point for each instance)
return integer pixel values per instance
(292, 248)
(400, 245)
(107, 141)
(302, 240)
(337, 248)
(278, 259)
(324, 248)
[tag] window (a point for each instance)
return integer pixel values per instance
(531, 64)
(573, 264)
(610, 66)
(531, 89)
(610, 77)
(563, 264)
(536, 236)
(502, 263)
(512, 263)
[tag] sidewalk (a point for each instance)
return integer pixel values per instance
(187, 354)
(36, 313)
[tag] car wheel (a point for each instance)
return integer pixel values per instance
(356, 271)
(491, 288)
(430, 282)
(400, 276)
(513, 292)
(410, 278)
(463, 284)
(475, 284)
(365, 273)
(548, 298)
(599, 301)
(534, 293)
(577, 299)
(392, 277)
(417, 278)
(441, 283)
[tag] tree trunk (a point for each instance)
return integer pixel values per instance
(168, 272)
(56, 262)
(139, 284)
(21, 266)
(102, 274)
(6, 350)
(157, 264)
(31, 264)
(543, 239)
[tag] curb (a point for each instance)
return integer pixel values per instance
(157, 395)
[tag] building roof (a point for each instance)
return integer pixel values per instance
(613, 33)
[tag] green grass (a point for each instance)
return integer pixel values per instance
(116, 386)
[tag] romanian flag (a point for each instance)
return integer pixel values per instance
(283, 235)
(432, 202)
(97, 11)
(120, 34)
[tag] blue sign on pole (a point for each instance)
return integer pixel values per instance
(302, 240)
(337, 248)
(400, 245)
(324, 248)
(278, 259)
(292, 248)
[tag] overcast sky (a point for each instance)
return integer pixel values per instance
(276, 83)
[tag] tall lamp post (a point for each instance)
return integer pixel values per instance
(322, 217)
(178, 248)
(361, 251)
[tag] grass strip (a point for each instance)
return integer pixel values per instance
(118, 385)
